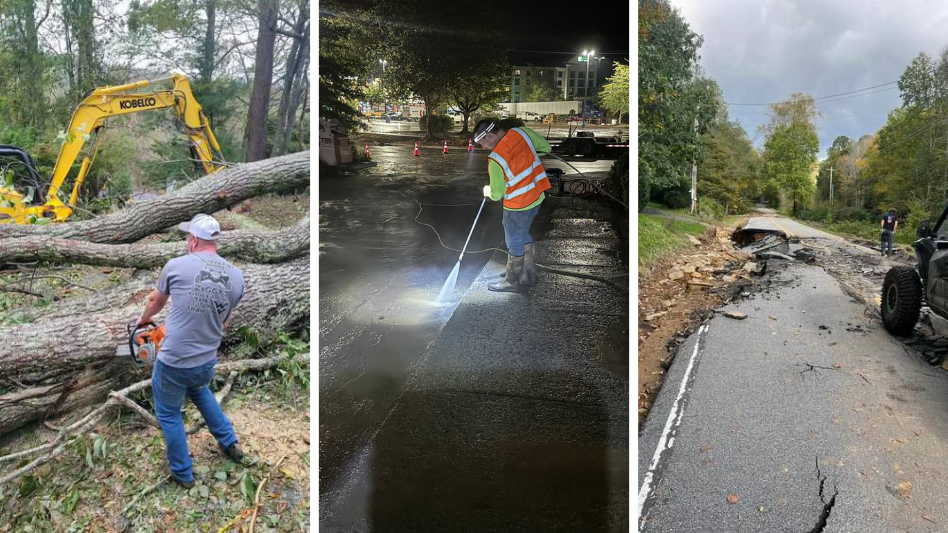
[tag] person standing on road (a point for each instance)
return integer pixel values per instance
(517, 176)
(889, 224)
(204, 289)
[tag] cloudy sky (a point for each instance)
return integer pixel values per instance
(764, 50)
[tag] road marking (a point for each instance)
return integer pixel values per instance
(666, 441)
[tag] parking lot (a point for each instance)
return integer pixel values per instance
(557, 129)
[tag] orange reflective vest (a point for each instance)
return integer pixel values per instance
(523, 173)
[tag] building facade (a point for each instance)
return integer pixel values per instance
(569, 79)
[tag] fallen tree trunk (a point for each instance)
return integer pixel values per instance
(250, 246)
(206, 195)
(276, 297)
(68, 362)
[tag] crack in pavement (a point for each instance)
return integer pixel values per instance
(827, 506)
(813, 368)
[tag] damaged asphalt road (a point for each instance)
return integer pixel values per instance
(809, 375)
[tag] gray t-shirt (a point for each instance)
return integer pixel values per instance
(204, 289)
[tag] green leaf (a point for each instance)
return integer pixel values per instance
(70, 501)
(205, 492)
(28, 486)
(89, 458)
(202, 470)
(221, 475)
(248, 488)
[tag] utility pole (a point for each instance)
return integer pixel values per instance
(694, 174)
(831, 186)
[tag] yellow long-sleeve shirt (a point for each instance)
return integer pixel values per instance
(498, 184)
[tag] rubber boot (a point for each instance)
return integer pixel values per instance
(511, 281)
(528, 277)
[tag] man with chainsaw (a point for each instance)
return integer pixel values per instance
(517, 176)
(204, 289)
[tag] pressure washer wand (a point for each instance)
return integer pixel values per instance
(472, 229)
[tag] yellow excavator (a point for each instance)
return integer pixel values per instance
(84, 127)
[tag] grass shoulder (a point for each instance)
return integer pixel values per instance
(660, 236)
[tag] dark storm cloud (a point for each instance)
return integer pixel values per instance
(762, 51)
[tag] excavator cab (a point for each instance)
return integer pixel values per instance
(81, 143)
(18, 173)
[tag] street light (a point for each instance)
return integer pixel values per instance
(384, 102)
(587, 54)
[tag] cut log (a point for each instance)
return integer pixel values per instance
(206, 195)
(250, 246)
(276, 299)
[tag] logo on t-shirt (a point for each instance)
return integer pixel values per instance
(211, 292)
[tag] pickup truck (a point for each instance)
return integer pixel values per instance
(528, 116)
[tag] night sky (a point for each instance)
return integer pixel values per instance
(546, 35)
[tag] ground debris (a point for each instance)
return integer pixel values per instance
(735, 315)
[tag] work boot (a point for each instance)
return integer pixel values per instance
(177, 481)
(511, 280)
(234, 452)
(528, 277)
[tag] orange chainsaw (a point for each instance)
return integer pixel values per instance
(144, 342)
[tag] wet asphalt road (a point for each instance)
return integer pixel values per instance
(379, 273)
(806, 399)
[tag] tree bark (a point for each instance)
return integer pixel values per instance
(206, 195)
(209, 42)
(251, 246)
(82, 347)
(276, 299)
(294, 78)
(262, 80)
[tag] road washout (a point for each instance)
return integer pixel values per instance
(727, 264)
(681, 291)
(860, 269)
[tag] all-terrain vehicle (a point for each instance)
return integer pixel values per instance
(906, 289)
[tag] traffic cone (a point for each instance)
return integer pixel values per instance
(368, 154)
(445, 147)
(416, 148)
(470, 145)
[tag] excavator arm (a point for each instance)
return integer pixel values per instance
(107, 102)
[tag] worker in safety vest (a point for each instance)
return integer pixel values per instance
(517, 176)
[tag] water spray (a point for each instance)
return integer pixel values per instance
(448, 288)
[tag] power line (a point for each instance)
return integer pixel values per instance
(819, 97)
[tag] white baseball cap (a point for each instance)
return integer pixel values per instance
(202, 226)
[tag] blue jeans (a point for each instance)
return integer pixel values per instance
(886, 241)
(170, 386)
(517, 229)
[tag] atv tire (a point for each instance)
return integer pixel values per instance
(901, 300)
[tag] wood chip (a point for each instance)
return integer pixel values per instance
(733, 498)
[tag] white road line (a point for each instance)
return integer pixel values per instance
(674, 419)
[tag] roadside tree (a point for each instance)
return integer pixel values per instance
(615, 92)
(479, 86)
(790, 159)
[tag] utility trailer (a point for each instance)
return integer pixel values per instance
(585, 143)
